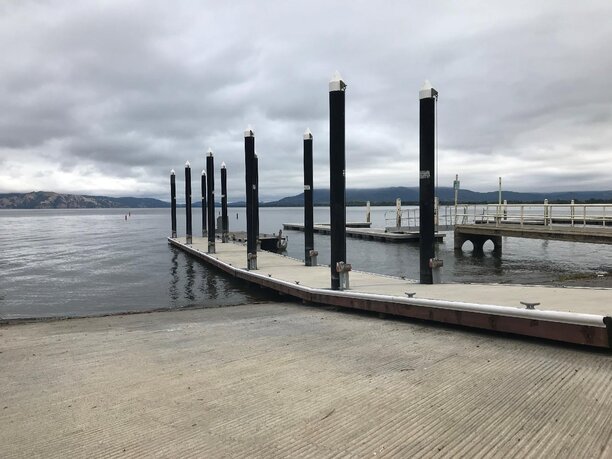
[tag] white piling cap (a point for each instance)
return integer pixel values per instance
(210, 153)
(337, 83)
(223, 165)
(172, 172)
(307, 134)
(249, 131)
(203, 172)
(187, 164)
(427, 91)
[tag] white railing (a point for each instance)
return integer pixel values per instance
(446, 217)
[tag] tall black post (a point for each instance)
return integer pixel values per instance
(337, 180)
(210, 194)
(427, 134)
(249, 157)
(204, 208)
(224, 219)
(256, 198)
(188, 202)
(173, 201)
(308, 201)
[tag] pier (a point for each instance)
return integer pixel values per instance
(369, 234)
(586, 223)
(573, 315)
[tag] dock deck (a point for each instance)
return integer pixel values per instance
(287, 380)
(370, 234)
(576, 315)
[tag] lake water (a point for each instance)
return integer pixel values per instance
(93, 261)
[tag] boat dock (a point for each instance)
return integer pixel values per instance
(370, 234)
(574, 315)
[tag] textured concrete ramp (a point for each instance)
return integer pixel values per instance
(284, 380)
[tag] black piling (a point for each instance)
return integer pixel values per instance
(204, 208)
(249, 155)
(308, 200)
(256, 198)
(224, 219)
(337, 180)
(427, 122)
(210, 195)
(188, 202)
(173, 201)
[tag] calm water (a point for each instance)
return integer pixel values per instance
(85, 262)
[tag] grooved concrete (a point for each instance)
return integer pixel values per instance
(285, 380)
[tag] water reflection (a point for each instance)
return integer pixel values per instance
(190, 274)
(174, 278)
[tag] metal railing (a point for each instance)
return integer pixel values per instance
(545, 214)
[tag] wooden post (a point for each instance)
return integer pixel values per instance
(173, 201)
(337, 179)
(188, 236)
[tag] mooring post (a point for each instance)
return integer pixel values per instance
(188, 202)
(256, 199)
(456, 190)
(398, 213)
(224, 219)
(249, 154)
(427, 135)
(173, 201)
(204, 208)
(337, 179)
(210, 194)
(309, 252)
(368, 215)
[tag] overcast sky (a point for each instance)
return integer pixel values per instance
(106, 97)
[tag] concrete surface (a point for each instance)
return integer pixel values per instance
(287, 380)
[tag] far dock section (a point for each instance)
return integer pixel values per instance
(362, 231)
(572, 315)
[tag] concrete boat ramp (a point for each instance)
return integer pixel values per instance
(574, 315)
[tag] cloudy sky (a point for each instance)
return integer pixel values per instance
(106, 97)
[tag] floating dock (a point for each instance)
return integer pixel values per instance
(573, 315)
(370, 234)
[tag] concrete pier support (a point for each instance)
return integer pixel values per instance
(478, 241)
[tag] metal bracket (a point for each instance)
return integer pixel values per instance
(251, 261)
(343, 270)
(529, 305)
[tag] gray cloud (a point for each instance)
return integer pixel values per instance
(108, 97)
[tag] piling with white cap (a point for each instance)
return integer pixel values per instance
(224, 219)
(427, 135)
(204, 208)
(173, 201)
(256, 198)
(337, 180)
(189, 232)
(309, 252)
(210, 195)
(249, 159)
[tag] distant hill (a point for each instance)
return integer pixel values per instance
(354, 196)
(51, 200)
(410, 195)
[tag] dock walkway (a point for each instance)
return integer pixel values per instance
(575, 315)
(369, 234)
(287, 380)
